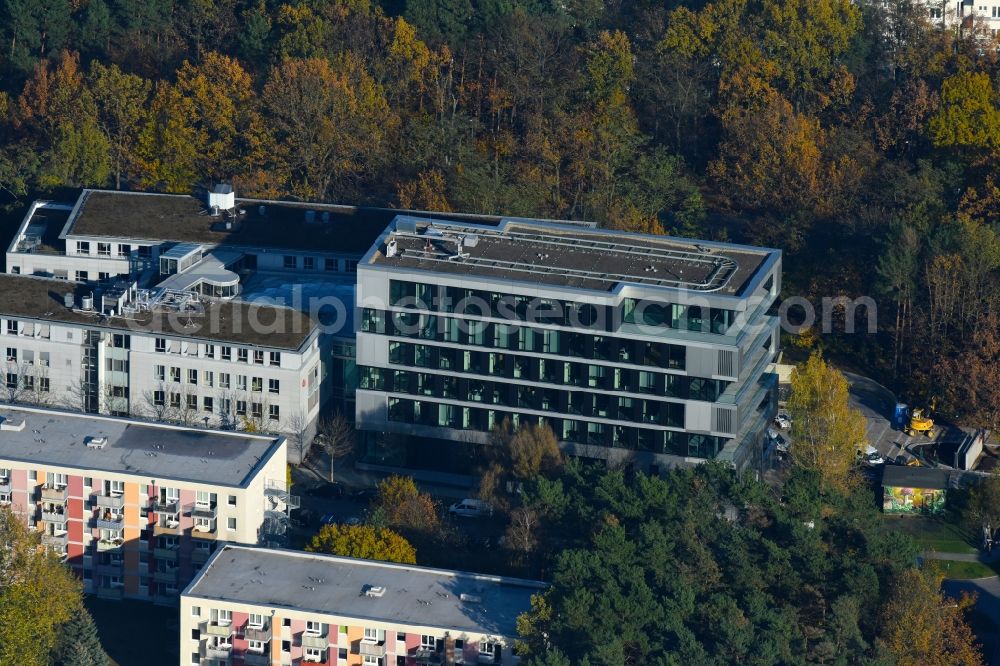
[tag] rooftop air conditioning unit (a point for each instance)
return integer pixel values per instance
(12, 423)
(374, 591)
(96, 442)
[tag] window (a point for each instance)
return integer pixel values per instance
(175, 375)
(428, 641)
(12, 326)
(256, 620)
(273, 412)
(400, 636)
(275, 358)
(82, 276)
(208, 405)
(161, 345)
(43, 384)
(372, 660)
(160, 373)
(232, 500)
(485, 647)
(175, 400)
(256, 647)
(258, 356)
(124, 250)
(273, 386)
(241, 382)
(257, 384)
(192, 402)
(241, 408)
(209, 351)
(222, 617)
(308, 263)
(313, 654)
(291, 262)
(119, 341)
(371, 634)
(83, 247)
(242, 355)
(227, 353)
(195, 611)
(43, 359)
(257, 410)
(314, 628)
(224, 380)
(208, 378)
(329, 264)
(12, 354)
(230, 523)
(192, 376)
(159, 398)
(104, 249)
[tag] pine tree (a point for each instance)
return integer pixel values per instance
(79, 644)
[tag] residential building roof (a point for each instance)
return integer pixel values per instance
(240, 322)
(568, 256)
(183, 218)
(150, 450)
(328, 584)
(904, 476)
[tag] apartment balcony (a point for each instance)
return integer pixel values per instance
(203, 511)
(54, 540)
(53, 494)
(169, 527)
(210, 629)
(168, 553)
(256, 659)
(314, 641)
(204, 532)
(200, 555)
(169, 507)
(371, 649)
(485, 658)
(257, 634)
(110, 501)
(4, 485)
(105, 545)
(109, 568)
(58, 517)
(169, 576)
(427, 655)
(110, 591)
(218, 652)
(110, 522)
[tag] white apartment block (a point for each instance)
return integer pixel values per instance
(264, 607)
(137, 508)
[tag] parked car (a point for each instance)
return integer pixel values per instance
(329, 490)
(779, 442)
(783, 421)
(871, 456)
(302, 517)
(471, 508)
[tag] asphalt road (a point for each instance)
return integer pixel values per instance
(986, 618)
(878, 403)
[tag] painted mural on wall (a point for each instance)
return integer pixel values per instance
(913, 500)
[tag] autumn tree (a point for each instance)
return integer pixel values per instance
(336, 437)
(827, 432)
(363, 541)
(969, 381)
(121, 113)
(934, 632)
(532, 449)
(167, 149)
(38, 595)
(969, 116)
(404, 506)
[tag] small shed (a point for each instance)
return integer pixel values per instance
(907, 490)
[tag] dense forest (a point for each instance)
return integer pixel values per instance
(855, 136)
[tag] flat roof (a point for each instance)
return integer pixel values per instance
(149, 450)
(334, 585)
(240, 322)
(577, 257)
(185, 218)
(934, 478)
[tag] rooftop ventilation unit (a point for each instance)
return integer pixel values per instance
(390, 248)
(96, 442)
(374, 591)
(12, 423)
(222, 197)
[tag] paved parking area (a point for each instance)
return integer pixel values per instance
(878, 403)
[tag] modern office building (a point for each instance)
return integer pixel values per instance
(137, 508)
(630, 346)
(263, 607)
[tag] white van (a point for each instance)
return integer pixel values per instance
(471, 508)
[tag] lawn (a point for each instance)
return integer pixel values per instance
(961, 570)
(933, 533)
(136, 633)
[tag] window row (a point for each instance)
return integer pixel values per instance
(329, 264)
(27, 329)
(220, 352)
(550, 371)
(210, 405)
(28, 357)
(581, 403)
(523, 338)
(481, 303)
(110, 249)
(17, 382)
(208, 378)
(404, 410)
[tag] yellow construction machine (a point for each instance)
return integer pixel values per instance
(920, 423)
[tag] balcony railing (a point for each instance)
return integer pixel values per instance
(170, 527)
(210, 629)
(170, 507)
(54, 516)
(169, 576)
(427, 655)
(257, 633)
(218, 652)
(110, 501)
(54, 539)
(54, 494)
(204, 532)
(203, 511)
(256, 659)
(4, 485)
(110, 591)
(109, 544)
(314, 641)
(371, 649)
(109, 522)
(167, 553)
